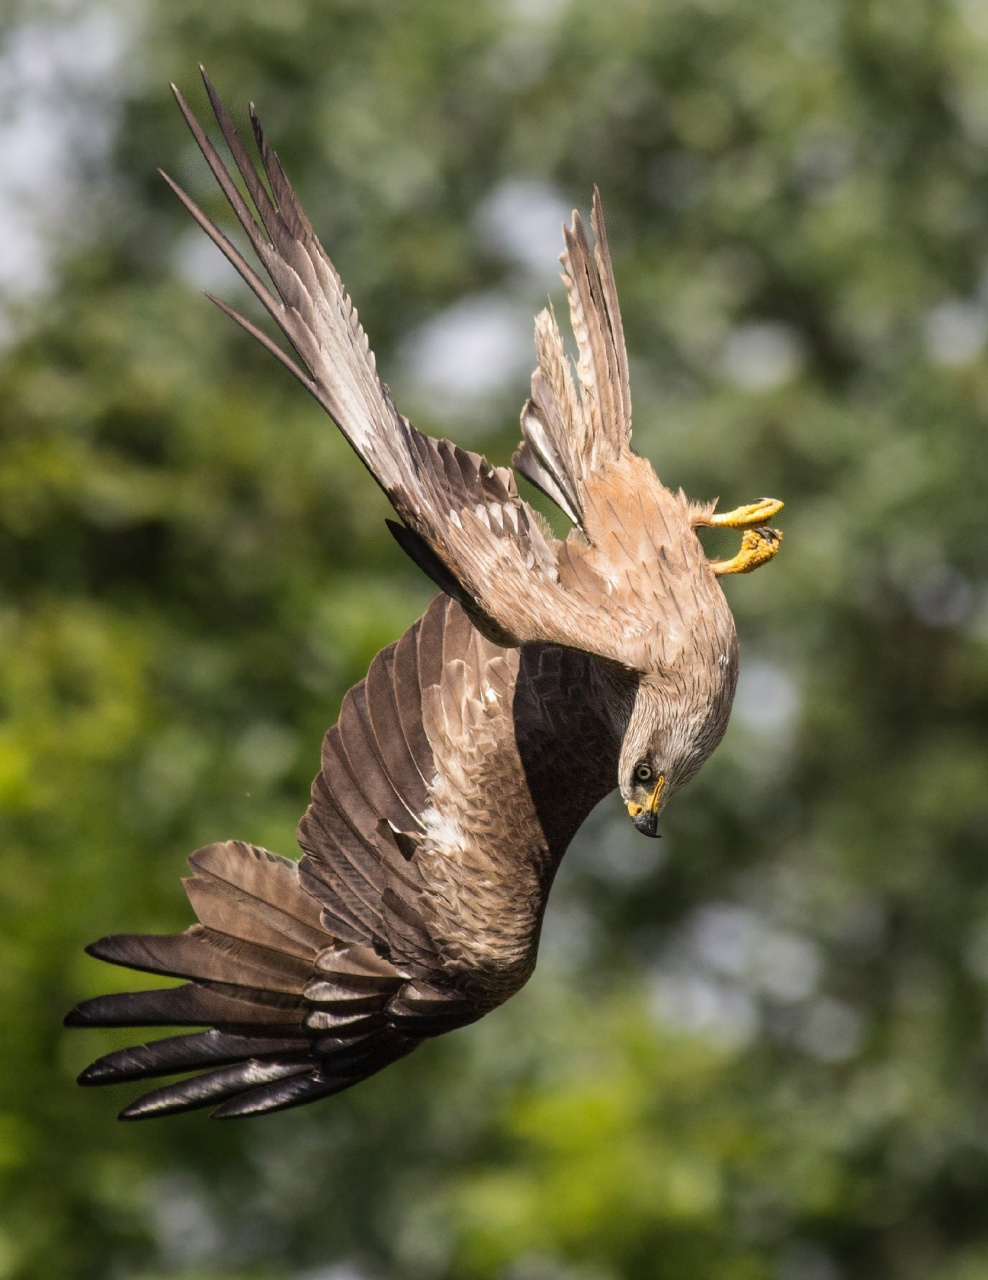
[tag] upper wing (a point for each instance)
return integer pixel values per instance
(570, 436)
(464, 521)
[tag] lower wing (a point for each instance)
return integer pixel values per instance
(451, 783)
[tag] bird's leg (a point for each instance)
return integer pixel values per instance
(759, 543)
(746, 517)
(758, 546)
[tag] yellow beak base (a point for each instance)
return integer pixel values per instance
(652, 804)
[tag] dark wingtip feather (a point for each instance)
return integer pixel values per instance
(269, 345)
(189, 1005)
(115, 948)
(214, 1086)
(177, 94)
(174, 1054)
(209, 86)
(131, 1113)
(281, 1096)
(98, 1072)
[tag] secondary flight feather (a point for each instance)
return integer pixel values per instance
(546, 673)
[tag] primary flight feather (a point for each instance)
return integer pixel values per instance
(546, 673)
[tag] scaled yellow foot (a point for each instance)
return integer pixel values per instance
(748, 516)
(758, 546)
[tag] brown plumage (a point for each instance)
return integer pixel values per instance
(459, 770)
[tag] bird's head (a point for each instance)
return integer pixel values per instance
(674, 726)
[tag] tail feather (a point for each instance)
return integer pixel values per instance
(528, 465)
(569, 435)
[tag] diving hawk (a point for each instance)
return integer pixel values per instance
(544, 674)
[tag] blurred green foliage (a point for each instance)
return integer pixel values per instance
(762, 1055)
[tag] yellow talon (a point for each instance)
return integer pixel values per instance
(758, 547)
(748, 516)
(759, 543)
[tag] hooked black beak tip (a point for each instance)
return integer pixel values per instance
(647, 822)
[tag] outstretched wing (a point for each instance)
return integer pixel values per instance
(292, 1012)
(449, 788)
(464, 524)
(570, 436)
(311, 976)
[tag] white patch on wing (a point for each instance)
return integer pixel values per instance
(442, 832)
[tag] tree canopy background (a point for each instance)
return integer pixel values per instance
(754, 1050)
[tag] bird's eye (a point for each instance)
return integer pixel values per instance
(643, 772)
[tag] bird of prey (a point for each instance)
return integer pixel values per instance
(546, 673)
